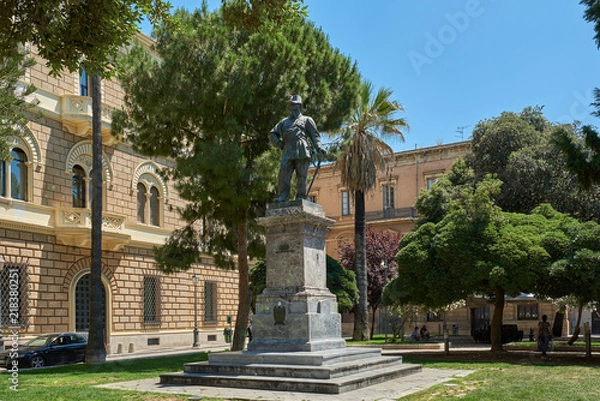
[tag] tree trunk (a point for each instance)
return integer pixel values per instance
(496, 326)
(244, 294)
(373, 314)
(577, 329)
(398, 330)
(361, 314)
(96, 351)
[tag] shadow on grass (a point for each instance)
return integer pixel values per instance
(464, 358)
(130, 366)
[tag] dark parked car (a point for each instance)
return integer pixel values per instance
(510, 333)
(47, 349)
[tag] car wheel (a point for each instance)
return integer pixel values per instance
(37, 362)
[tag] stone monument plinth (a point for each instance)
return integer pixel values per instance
(297, 340)
(296, 311)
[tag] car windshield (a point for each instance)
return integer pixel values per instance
(40, 341)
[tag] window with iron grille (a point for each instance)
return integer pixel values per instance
(82, 303)
(151, 300)
(13, 295)
(210, 301)
(527, 312)
(388, 197)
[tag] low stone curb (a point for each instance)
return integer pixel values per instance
(436, 346)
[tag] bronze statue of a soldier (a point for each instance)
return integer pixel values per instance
(298, 137)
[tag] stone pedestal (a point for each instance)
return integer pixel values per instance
(296, 311)
(297, 340)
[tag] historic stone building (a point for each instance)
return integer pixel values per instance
(45, 235)
(390, 206)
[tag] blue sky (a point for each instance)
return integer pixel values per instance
(453, 63)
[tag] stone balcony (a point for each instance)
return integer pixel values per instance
(76, 116)
(392, 214)
(73, 228)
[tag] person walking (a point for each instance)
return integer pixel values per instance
(544, 335)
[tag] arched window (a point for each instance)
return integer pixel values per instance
(151, 194)
(80, 156)
(18, 175)
(79, 187)
(82, 303)
(148, 204)
(141, 203)
(154, 208)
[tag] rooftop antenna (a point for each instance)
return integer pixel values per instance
(461, 130)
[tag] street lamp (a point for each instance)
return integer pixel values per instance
(195, 278)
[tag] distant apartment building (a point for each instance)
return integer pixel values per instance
(45, 221)
(390, 206)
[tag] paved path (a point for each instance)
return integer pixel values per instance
(387, 391)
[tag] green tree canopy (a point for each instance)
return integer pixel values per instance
(433, 204)
(260, 14)
(592, 14)
(575, 273)
(518, 149)
(68, 34)
(583, 151)
(475, 249)
(13, 105)
(342, 283)
(208, 103)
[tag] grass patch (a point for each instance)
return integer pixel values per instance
(534, 343)
(382, 339)
(75, 382)
(529, 380)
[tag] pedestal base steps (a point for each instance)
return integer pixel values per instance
(328, 372)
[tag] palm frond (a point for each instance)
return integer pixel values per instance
(362, 138)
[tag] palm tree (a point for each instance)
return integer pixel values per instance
(363, 152)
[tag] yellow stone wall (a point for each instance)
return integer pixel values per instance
(30, 234)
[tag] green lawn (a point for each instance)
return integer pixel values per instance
(381, 339)
(76, 382)
(526, 379)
